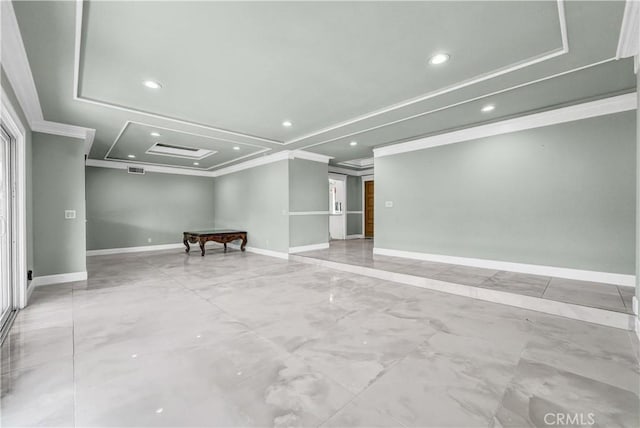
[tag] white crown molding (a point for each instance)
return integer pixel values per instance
(352, 172)
(39, 281)
(629, 39)
(358, 163)
(148, 168)
(282, 155)
(108, 251)
(16, 65)
(559, 272)
(264, 160)
(72, 131)
(312, 247)
(301, 154)
(469, 82)
(586, 110)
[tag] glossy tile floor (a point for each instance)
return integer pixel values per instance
(604, 296)
(237, 340)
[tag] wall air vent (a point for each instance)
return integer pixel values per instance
(135, 170)
(172, 150)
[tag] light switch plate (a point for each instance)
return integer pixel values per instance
(69, 214)
(388, 204)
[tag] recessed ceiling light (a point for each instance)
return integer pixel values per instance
(196, 163)
(287, 123)
(488, 108)
(152, 84)
(131, 156)
(440, 58)
(353, 143)
(236, 148)
(155, 134)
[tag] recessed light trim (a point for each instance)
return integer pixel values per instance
(439, 58)
(287, 124)
(196, 163)
(236, 148)
(155, 134)
(131, 156)
(488, 108)
(353, 143)
(152, 84)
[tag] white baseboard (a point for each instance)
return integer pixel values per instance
(568, 310)
(261, 251)
(39, 281)
(581, 275)
(355, 237)
(108, 251)
(311, 247)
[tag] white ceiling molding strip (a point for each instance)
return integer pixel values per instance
(470, 100)
(129, 122)
(472, 81)
(77, 97)
(353, 172)
(16, 65)
(629, 40)
(572, 113)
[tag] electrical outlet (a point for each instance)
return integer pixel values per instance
(388, 204)
(69, 214)
(149, 240)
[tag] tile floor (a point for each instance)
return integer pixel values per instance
(596, 295)
(242, 340)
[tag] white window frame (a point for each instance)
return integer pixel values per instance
(12, 123)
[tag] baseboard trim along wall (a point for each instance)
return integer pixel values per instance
(354, 236)
(39, 281)
(261, 251)
(568, 310)
(108, 251)
(311, 247)
(568, 273)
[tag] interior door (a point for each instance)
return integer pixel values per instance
(6, 274)
(368, 209)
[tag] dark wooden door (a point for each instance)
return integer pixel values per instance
(368, 209)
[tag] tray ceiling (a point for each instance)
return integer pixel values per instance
(232, 72)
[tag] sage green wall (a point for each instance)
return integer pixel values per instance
(562, 195)
(58, 185)
(128, 210)
(354, 203)
(256, 200)
(308, 191)
(4, 83)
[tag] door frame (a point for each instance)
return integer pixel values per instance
(10, 120)
(343, 178)
(366, 178)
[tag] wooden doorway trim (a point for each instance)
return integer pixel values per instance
(368, 212)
